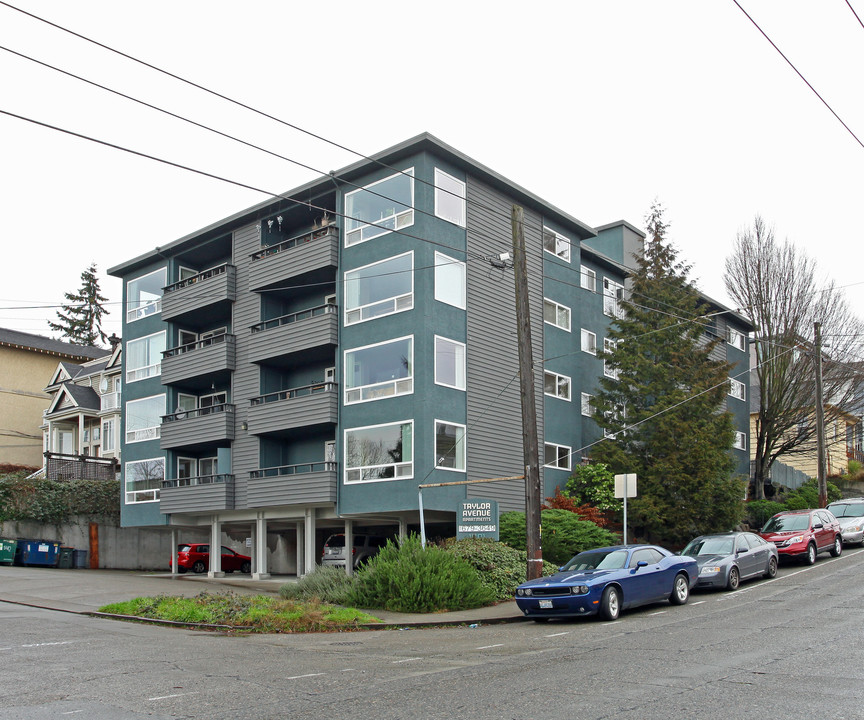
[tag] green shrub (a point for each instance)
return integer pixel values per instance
(406, 577)
(807, 496)
(500, 567)
(853, 468)
(328, 584)
(52, 502)
(564, 534)
(757, 512)
(594, 485)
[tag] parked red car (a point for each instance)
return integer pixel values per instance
(803, 534)
(196, 557)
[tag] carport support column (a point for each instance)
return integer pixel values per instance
(215, 548)
(174, 543)
(301, 548)
(349, 547)
(309, 550)
(259, 572)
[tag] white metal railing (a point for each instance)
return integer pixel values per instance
(110, 401)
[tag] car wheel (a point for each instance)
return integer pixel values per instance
(772, 568)
(734, 579)
(680, 590)
(181, 570)
(246, 567)
(838, 547)
(810, 557)
(610, 603)
(199, 567)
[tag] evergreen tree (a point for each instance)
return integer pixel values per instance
(663, 414)
(80, 320)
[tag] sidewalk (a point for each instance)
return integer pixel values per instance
(85, 591)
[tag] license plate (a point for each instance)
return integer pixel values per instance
(545, 604)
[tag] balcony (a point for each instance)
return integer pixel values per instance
(214, 355)
(198, 494)
(293, 333)
(208, 426)
(79, 467)
(292, 485)
(213, 287)
(296, 256)
(299, 407)
(109, 401)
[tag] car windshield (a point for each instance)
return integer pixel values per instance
(335, 541)
(780, 523)
(709, 546)
(847, 509)
(608, 560)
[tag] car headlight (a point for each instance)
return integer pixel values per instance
(854, 528)
(523, 591)
(710, 570)
(579, 589)
(795, 540)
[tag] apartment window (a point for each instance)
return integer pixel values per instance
(186, 468)
(587, 405)
(382, 288)
(450, 283)
(449, 198)
(108, 438)
(556, 244)
(740, 441)
(609, 348)
(449, 363)
(735, 338)
(144, 295)
(378, 371)
(556, 456)
(379, 452)
(736, 389)
(612, 292)
(208, 466)
(616, 416)
(449, 446)
(144, 418)
(589, 342)
(556, 385)
(143, 479)
(387, 203)
(556, 314)
(144, 357)
(588, 278)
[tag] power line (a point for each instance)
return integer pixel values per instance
(855, 14)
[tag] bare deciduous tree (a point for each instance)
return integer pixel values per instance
(780, 290)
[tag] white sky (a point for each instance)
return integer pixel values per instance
(596, 107)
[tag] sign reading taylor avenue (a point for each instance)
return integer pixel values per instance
(477, 518)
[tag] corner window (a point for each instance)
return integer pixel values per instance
(450, 280)
(556, 456)
(379, 452)
(449, 363)
(144, 295)
(379, 289)
(378, 371)
(449, 446)
(612, 294)
(387, 203)
(735, 338)
(144, 418)
(556, 314)
(144, 357)
(449, 198)
(587, 279)
(736, 389)
(556, 244)
(609, 348)
(556, 385)
(587, 405)
(143, 480)
(740, 441)
(589, 342)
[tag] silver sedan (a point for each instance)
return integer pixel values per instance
(728, 558)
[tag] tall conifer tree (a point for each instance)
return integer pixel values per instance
(80, 319)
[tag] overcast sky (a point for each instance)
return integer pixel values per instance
(597, 107)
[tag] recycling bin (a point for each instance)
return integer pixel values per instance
(7, 551)
(64, 558)
(80, 559)
(37, 552)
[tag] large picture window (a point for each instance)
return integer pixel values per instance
(144, 357)
(379, 371)
(382, 288)
(449, 363)
(449, 446)
(144, 418)
(450, 280)
(143, 479)
(144, 295)
(379, 452)
(387, 203)
(449, 198)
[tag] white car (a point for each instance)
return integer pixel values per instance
(850, 513)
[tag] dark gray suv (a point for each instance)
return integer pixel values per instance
(364, 547)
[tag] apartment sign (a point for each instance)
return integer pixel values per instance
(477, 518)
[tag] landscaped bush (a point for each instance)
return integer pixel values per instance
(564, 534)
(500, 567)
(807, 496)
(406, 577)
(758, 512)
(52, 502)
(328, 583)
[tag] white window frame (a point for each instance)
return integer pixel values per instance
(109, 437)
(379, 308)
(611, 303)
(446, 266)
(587, 405)
(737, 389)
(561, 243)
(619, 414)
(366, 230)
(376, 391)
(403, 470)
(461, 353)
(587, 279)
(557, 308)
(144, 434)
(136, 497)
(558, 377)
(460, 457)
(736, 339)
(740, 442)
(151, 307)
(568, 452)
(145, 371)
(444, 195)
(609, 347)
(192, 464)
(588, 342)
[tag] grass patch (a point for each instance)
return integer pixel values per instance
(258, 613)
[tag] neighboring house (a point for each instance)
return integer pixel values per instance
(290, 372)
(25, 361)
(82, 423)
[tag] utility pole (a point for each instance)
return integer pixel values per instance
(530, 453)
(820, 418)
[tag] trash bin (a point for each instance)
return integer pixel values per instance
(64, 558)
(7, 551)
(79, 558)
(37, 552)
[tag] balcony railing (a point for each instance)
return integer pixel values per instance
(302, 468)
(110, 401)
(295, 317)
(200, 480)
(197, 412)
(293, 393)
(294, 242)
(204, 275)
(189, 347)
(853, 454)
(59, 466)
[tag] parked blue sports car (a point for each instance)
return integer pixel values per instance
(607, 580)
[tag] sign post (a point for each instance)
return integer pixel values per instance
(625, 486)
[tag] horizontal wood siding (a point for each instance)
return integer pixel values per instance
(200, 295)
(198, 429)
(198, 498)
(317, 487)
(201, 361)
(314, 255)
(293, 337)
(317, 409)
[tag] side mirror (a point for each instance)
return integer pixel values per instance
(818, 526)
(641, 564)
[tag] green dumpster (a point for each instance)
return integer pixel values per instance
(7, 551)
(65, 558)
